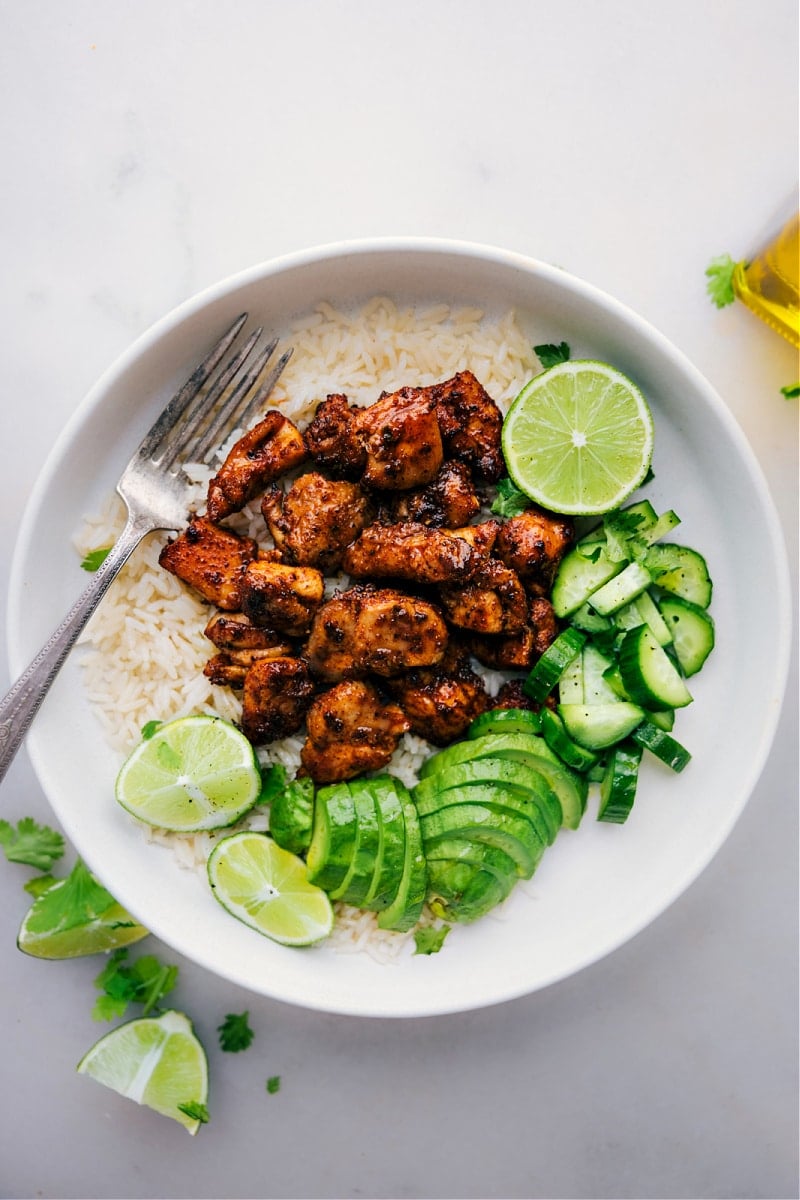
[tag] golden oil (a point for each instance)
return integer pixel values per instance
(769, 283)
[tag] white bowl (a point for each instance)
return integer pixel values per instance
(595, 888)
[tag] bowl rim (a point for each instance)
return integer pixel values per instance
(639, 327)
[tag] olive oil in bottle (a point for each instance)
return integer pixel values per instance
(769, 283)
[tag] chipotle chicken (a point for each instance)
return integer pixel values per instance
(379, 631)
(391, 494)
(350, 730)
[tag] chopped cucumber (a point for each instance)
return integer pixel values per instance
(648, 674)
(692, 632)
(583, 570)
(680, 570)
(662, 744)
(504, 720)
(618, 785)
(568, 750)
(547, 671)
(621, 590)
(597, 726)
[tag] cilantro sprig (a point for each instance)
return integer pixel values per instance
(235, 1033)
(550, 353)
(509, 501)
(30, 843)
(146, 981)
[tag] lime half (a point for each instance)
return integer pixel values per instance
(578, 439)
(157, 1061)
(194, 773)
(268, 889)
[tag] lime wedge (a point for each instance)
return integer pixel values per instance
(74, 917)
(267, 888)
(194, 773)
(578, 439)
(156, 1061)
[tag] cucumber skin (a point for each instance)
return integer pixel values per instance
(692, 630)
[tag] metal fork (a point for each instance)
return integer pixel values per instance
(197, 419)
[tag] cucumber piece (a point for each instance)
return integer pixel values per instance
(459, 891)
(333, 837)
(392, 842)
(486, 824)
(662, 744)
(643, 611)
(692, 632)
(494, 781)
(597, 726)
(646, 513)
(559, 741)
(680, 570)
(582, 570)
(550, 666)
(589, 621)
(504, 720)
(406, 907)
(663, 718)
(569, 787)
(570, 685)
(665, 524)
(621, 590)
(648, 673)
(618, 785)
(291, 816)
(357, 882)
(596, 687)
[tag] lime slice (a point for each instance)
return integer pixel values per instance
(267, 888)
(52, 931)
(578, 439)
(156, 1061)
(194, 773)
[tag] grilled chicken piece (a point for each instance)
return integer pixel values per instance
(492, 601)
(276, 696)
(230, 667)
(448, 501)
(350, 731)
(481, 537)
(441, 701)
(400, 433)
(281, 596)
(511, 695)
(233, 631)
(470, 422)
(269, 449)
(333, 439)
(533, 544)
(374, 630)
(211, 560)
(410, 551)
(316, 519)
(521, 651)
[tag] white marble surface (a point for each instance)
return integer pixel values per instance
(149, 149)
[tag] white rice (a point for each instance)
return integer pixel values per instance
(144, 650)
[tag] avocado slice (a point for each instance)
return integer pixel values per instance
(358, 880)
(532, 750)
(522, 802)
(291, 815)
(464, 892)
(512, 778)
(333, 837)
(391, 843)
(490, 824)
(404, 910)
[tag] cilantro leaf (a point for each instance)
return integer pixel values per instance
(33, 844)
(622, 541)
(235, 1033)
(39, 884)
(430, 940)
(149, 729)
(549, 354)
(274, 1084)
(273, 782)
(95, 558)
(195, 1110)
(145, 981)
(75, 900)
(510, 501)
(719, 274)
(791, 391)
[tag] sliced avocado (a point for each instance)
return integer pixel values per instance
(570, 787)
(404, 910)
(522, 802)
(486, 823)
(392, 841)
(463, 892)
(291, 815)
(511, 777)
(473, 854)
(333, 837)
(358, 880)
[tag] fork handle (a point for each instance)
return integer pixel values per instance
(22, 702)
